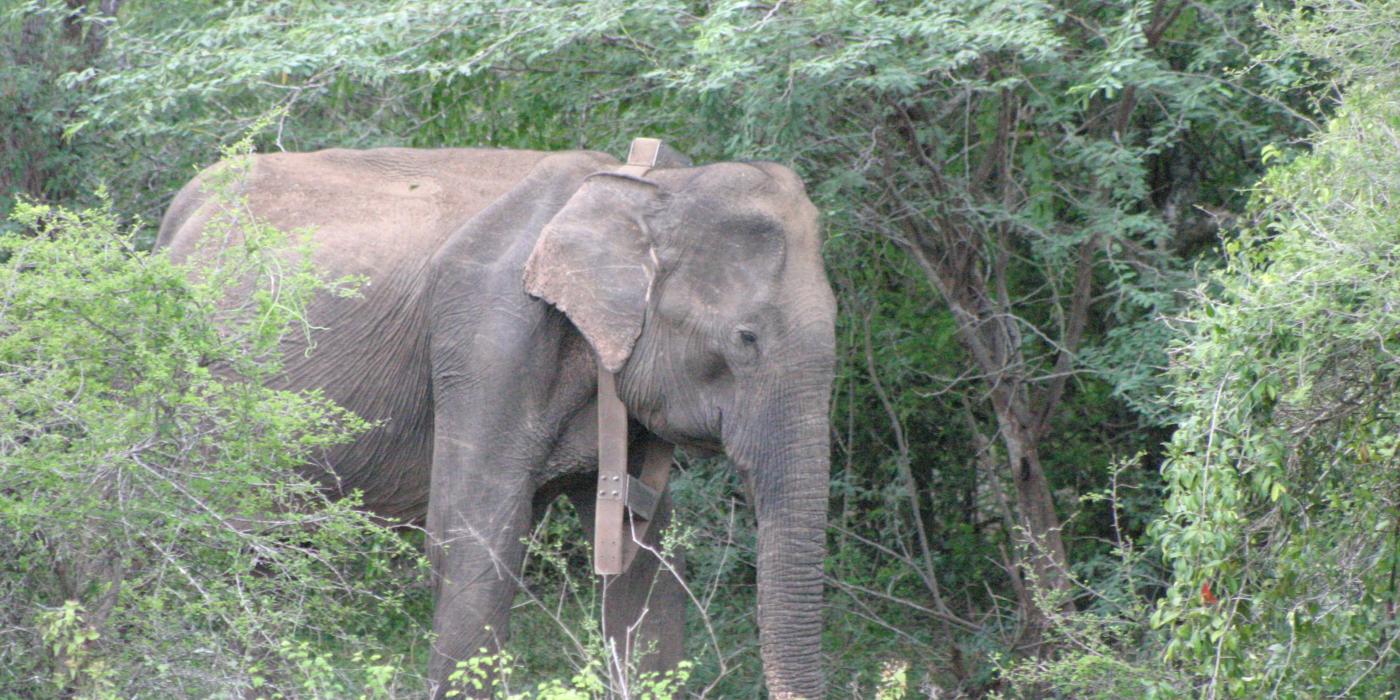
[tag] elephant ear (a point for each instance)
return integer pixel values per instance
(594, 262)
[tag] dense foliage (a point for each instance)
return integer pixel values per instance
(158, 538)
(1023, 204)
(1283, 521)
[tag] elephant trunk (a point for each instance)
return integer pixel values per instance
(791, 474)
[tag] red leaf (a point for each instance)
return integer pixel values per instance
(1207, 595)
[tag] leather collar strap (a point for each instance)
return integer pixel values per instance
(619, 493)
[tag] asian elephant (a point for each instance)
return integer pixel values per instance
(497, 281)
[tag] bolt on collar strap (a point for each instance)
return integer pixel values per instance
(614, 544)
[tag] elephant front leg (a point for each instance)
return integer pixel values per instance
(644, 606)
(478, 513)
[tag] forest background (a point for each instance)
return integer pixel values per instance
(1115, 407)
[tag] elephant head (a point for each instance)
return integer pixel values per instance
(703, 289)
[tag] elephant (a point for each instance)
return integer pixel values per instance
(498, 284)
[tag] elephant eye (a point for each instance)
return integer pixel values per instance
(744, 347)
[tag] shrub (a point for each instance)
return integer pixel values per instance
(1282, 523)
(159, 533)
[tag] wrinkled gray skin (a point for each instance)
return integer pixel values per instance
(475, 347)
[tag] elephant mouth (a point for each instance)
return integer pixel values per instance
(701, 440)
(703, 451)
(701, 446)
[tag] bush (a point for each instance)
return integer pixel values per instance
(1283, 518)
(1107, 649)
(159, 533)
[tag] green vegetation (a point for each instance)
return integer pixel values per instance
(1082, 448)
(158, 539)
(1284, 490)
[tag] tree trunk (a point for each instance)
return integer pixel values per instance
(1041, 538)
(987, 330)
(966, 260)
